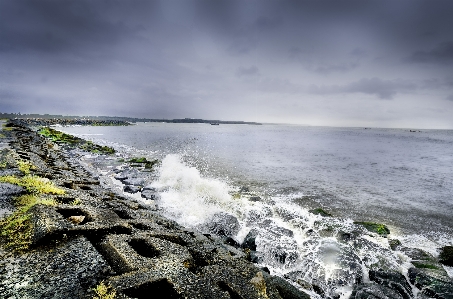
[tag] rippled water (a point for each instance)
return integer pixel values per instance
(269, 177)
(390, 175)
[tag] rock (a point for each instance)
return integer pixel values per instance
(255, 257)
(150, 188)
(421, 259)
(76, 219)
(231, 241)
(150, 194)
(377, 228)
(134, 181)
(223, 224)
(286, 290)
(446, 255)
(249, 241)
(7, 189)
(393, 280)
(260, 284)
(321, 212)
(433, 283)
(131, 189)
(254, 198)
(394, 244)
(374, 291)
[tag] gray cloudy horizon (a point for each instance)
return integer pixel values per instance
(334, 63)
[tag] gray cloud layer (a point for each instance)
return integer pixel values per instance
(318, 62)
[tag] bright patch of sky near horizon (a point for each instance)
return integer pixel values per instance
(335, 63)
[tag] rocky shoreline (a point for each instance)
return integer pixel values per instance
(71, 122)
(90, 242)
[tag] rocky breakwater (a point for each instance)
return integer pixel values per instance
(72, 122)
(63, 235)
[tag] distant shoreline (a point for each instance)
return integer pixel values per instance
(120, 119)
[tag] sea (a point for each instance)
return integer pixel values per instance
(272, 177)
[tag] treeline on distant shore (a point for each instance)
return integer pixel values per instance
(49, 119)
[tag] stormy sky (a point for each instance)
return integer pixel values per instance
(381, 63)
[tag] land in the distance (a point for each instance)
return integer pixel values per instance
(124, 119)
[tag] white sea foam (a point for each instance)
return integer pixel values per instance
(190, 198)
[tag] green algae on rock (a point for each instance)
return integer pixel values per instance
(378, 228)
(321, 212)
(89, 146)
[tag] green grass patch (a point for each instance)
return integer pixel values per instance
(378, 228)
(16, 229)
(25, 166)
(58, 136)
(33, 184)
(104, 292)
(89, 146)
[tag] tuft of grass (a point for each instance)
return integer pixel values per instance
(76, 202)
(104, 292)
(378, 228)
(25, 166)
(33, 184)
(16, 229)
(58, 136)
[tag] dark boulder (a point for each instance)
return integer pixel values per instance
(249, 241)
(393, 280)
(374, 291)
(134, 181)
(422, 259)
(433, 283)
(446, 255)
(223, 224)
(131, 189)
(149, 194)
(286, 290)
(394, 244)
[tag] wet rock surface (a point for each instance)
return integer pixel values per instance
(93, 234)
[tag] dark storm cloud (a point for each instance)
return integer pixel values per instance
(442, 54)
(253, 60)
(384, 89)
(56, 26)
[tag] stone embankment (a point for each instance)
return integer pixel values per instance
(77, 235)
(71, 122)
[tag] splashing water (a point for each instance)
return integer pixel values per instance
(331, 253)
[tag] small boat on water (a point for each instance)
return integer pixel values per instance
(214, 124)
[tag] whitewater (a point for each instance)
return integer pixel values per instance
(271, 178)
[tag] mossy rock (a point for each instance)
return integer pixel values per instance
(394, 244)
(143, 160)
(421, 265)
(446, 255)
(89, 146)
(138, 160)
(378, 228)
(321, 212)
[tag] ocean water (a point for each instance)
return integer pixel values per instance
(269, 177)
